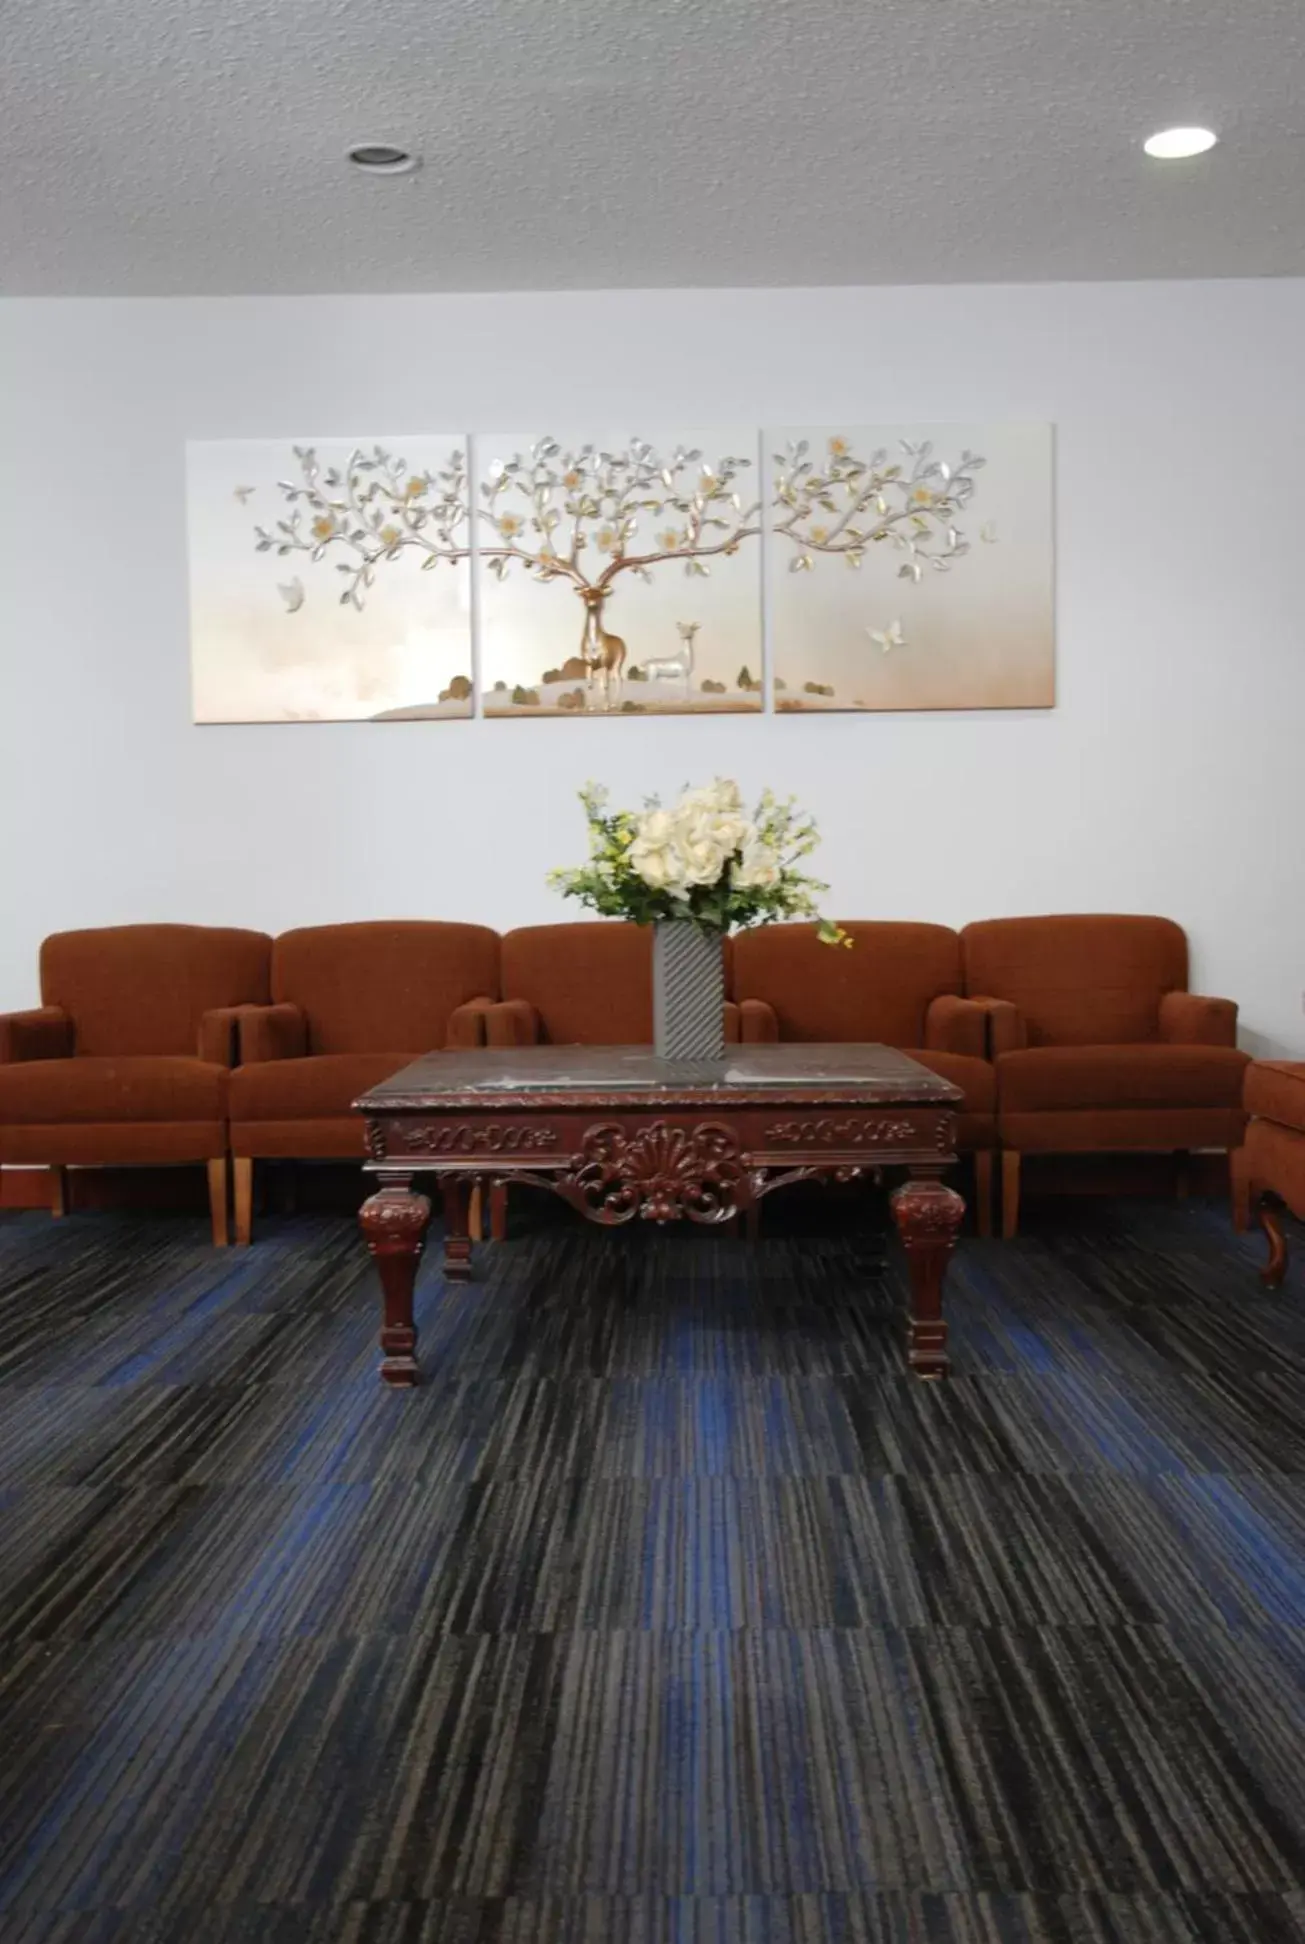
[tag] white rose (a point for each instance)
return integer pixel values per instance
(757, 869)
(655, 853)
(703, 854)
(721, 796)
(733, 833)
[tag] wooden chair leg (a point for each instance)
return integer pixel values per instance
(217, 1200)
(1271, 1222)
(1010, 1193)
(983, 1191)
(58, 1192)
(242, 1169)
(498, 1211)
(476, 1213)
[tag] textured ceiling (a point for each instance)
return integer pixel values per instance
(196, 145)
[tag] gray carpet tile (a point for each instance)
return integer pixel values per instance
(671, 1609)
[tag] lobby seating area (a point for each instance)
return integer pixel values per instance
(165, 1044)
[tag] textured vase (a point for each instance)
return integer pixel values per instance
(688, 991)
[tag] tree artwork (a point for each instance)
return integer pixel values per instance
(579, 517)
(839, 504)
(952, 608)
(602, 522)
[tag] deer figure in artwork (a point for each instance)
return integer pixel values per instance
(679, 666)
(604, 653)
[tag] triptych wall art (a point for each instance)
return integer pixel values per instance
(888, 567)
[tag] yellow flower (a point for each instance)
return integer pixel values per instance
(819, 535)
(323, 526)
(669, 540)
(390, 537)
(571, 479)
(414, 488)
(606, 539)
(838, 447)
(922, 496)
(509, 526)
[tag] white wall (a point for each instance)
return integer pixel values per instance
(1168, 779)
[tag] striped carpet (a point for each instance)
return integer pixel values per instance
(672, 1610)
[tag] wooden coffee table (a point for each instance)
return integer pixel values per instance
(619, 1133)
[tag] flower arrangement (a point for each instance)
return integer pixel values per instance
(704, 858)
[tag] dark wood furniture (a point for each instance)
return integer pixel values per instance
(619, 1133)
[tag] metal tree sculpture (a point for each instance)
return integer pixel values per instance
(580, 516)
(845, 505)
(573, 516)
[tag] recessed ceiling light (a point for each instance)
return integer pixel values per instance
(383, 158)
(1176, 144)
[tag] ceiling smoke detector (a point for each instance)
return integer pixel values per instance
(383, 158)
(1176, 144)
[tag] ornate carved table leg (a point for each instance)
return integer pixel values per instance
(1276, 1267)
(928, 1215)
(394, 1224)
(456, 1191)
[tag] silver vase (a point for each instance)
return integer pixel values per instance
(688, 991)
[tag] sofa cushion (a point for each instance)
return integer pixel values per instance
(880, 990)
(1078, 981)
(149, 1087)
(1275, 1090)
(591, 984)
(322, 1087)
(366, 987)
(1080, 1078)
(144, 988)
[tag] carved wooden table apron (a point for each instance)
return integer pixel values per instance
(619, 1133)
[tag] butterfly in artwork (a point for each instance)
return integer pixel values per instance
(888, 638)
(242, 493)
(292, 593)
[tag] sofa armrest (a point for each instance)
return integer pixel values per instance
(758, 1025)
(1007, 1030)
(1188, 1019)
(272, 1033)
(513, 1022)
(45, 1033)
(467, 1024)
(219, 1034)
(955, 1025)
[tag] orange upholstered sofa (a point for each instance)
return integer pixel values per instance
(901, 985)
(350, 1005)
(1270, 1165)
(580, 985)
(126, 1060)
(1098, 1044)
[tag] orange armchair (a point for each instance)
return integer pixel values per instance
(899, 985)
(1099, 1046)
(351, 1004)
(127, 1060)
